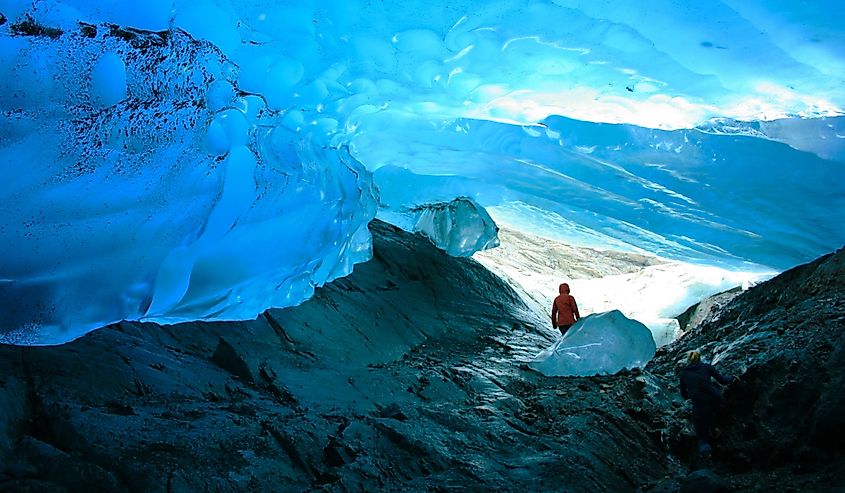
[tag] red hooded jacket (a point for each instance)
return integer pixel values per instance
(564, 308)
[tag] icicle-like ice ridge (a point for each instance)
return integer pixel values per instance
(142, 184)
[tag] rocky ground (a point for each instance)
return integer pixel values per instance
(410, 375)
(785, 339)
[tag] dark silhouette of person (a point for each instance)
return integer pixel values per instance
(696, 384)
(564, 310)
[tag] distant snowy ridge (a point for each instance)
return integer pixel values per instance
(648, 289)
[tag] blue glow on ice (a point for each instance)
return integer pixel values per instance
(598, 344)
(175, 160)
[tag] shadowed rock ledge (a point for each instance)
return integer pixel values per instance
(408, 375)
(785, 339)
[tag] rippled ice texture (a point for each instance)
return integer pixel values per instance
(174, 160)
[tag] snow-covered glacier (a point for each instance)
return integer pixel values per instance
(173, 160)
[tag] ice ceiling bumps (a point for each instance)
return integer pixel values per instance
(180, 160)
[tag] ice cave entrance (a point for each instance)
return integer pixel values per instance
(615, 289)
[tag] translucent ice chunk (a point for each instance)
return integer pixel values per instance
(601, 343)
(460, 227)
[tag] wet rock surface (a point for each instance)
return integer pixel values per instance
(410, 375)
(785, 340)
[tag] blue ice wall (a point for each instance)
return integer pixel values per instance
(709, 195)
(175, 160)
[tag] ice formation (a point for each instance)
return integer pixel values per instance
(600, 343)
(460, 227)
(141, 185)
(174, 160)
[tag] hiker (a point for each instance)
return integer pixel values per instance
(564, 310)
(696, 384)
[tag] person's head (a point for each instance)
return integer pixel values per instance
(564, 288)
(693, 357)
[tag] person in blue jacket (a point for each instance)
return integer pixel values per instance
(696, 384)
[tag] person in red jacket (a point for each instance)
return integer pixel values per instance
(564, 310)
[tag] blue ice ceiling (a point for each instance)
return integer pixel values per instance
(181, 160)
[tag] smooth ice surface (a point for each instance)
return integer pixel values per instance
(460, 227)
(176, 160)
(600, 343)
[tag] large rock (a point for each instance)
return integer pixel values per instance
(403, 376)
(785, 339)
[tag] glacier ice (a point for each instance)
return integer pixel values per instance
(600, 343)
(129, 196)
(459, 227)
(685, 194)
(173, 160)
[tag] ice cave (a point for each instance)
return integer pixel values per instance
(204, 161)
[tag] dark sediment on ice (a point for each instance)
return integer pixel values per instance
(408, 375)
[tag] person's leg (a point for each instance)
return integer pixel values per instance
(563, 328)
(702, 419)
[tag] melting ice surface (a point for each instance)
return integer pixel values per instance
(173, 160)
(600, 343)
